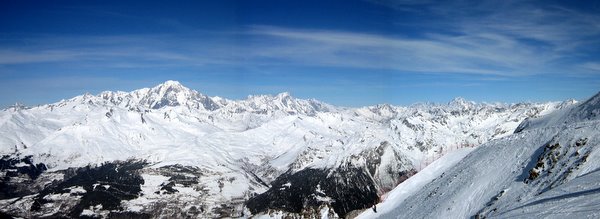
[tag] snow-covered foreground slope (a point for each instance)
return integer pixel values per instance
(548, 169)
(231, 157)
(413, 184)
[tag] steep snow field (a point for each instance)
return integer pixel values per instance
(412, 185)
(548, 169)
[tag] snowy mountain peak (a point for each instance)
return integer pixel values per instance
(282, 103)
(588, 110)
(285, 98)
(16, 107)
(461, 103)
(173, 93)
(284, 95)
(87, 95)
(169, 93)
(171, 83)
(459, 100)
(170, 87)
(593, 101)
(570, 112)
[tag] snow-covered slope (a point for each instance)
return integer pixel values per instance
(548, 169)
(413, 184)
(252, 149)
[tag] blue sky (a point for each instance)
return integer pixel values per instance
(349, 53)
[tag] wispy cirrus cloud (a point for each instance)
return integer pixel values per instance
(508, 39)
(481, 53)
(593, 66)
(546, 37)
(106, 51)
(12, 56)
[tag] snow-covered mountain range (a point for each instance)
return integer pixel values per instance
(548, 169)
(176, 148)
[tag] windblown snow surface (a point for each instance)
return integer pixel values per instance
(550, 168)
(211, 157)
(413, 184)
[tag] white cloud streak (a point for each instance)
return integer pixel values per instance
(514, 39)
(471, 54)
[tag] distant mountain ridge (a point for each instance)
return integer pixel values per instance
(173, 94)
